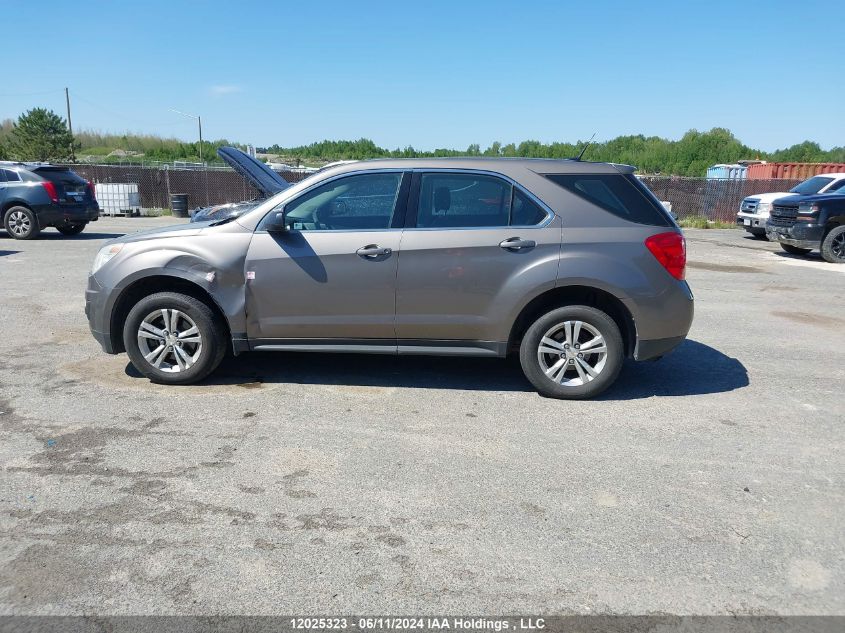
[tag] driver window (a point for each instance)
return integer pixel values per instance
(355, 203)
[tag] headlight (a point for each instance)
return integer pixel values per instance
(808, 209)
(104, 255)
(764, 207)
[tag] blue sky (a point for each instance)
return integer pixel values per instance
(433, 74)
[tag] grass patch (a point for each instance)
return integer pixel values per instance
(701, 222)
(157, 213)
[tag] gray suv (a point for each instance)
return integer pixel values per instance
(574, 265)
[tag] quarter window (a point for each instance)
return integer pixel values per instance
(354, 203)
(524, 211)
(11, 176)
(622, 195)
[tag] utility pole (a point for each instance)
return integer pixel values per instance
(70, 125)
(199, 123)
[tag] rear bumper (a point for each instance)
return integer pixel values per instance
(57, 215)
(800, 235)
(97, 314)
(674, 316)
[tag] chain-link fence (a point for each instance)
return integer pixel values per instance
(714, 199)
(709, 198)
(155, 184)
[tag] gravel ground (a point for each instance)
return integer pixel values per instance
(710, 482)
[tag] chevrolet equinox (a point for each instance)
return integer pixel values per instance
(573, 265)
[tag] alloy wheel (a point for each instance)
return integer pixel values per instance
(169, 340)
(572, 353)
(19, 223)
(837, 247)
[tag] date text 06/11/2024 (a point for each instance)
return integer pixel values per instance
(417, 623)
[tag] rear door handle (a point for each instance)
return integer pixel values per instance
(517, 243)
(372, 251)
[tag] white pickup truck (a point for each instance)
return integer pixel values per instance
(754, 210)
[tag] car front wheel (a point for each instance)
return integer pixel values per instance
(574, 352)
(174, 339)
(833, 245)
(21, 223)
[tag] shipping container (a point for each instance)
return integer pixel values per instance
(732, 172)
(793, 171)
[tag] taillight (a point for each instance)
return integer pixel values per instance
(51, 191)
(92, 190)
(670, 249)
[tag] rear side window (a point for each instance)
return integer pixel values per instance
(465, 200)
(621, 194)
(10, 176)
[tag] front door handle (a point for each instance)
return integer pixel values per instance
(372, 251)
(517, 243)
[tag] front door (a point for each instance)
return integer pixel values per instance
(331, 278)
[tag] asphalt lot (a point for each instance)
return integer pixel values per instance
(708, 482)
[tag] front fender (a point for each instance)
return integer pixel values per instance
(214, 263)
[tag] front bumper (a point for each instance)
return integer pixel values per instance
(97, 314)
(752, 222)
(800, 234)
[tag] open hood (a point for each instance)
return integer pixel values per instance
(257, 173)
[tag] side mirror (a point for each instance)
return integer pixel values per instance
(276, 222)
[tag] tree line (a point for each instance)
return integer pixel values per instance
(43, 135)
(691, 155)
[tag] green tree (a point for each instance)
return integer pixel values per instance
(41, 134)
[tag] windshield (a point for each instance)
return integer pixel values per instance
(811, 186)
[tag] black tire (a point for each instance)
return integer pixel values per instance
(21, 223)
(794, 250)
(71, 229)
(211, 331)
(760, 236)
(529, 353)
(833, 245)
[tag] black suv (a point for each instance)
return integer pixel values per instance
(34, 196)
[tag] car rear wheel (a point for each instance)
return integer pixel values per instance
(833, 245)
(21, 223)
(174, 339)
(573, 352)
(71, 229)
(794, 250)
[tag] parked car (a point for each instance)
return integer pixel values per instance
(265, 180)
(572, 265)
(754, 210)
(34, 196)
(804, 223)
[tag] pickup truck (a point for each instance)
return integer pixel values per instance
(804, 223)
(754, 210)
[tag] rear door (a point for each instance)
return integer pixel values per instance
(331, 278)
(475, 247)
